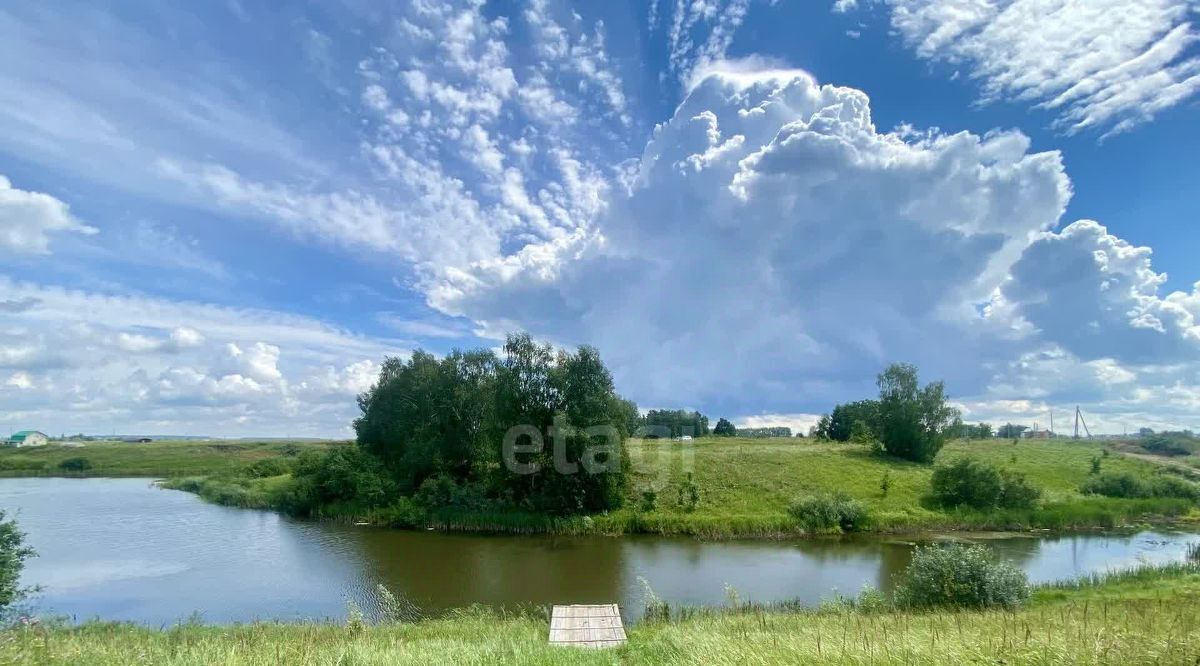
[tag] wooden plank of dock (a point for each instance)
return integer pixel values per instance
(595, 626)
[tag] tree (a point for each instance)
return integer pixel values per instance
(724, 428)
(631, 416)
(913, 421)
(563, 396)
(426, 416)
(675, 423)
(765, 432)
(445, 421)
(1008, 431)
(843, 417)
(860, 433)
(979, 431)
(821, 429)
(13, 553)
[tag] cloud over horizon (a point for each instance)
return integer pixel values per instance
(773, 250)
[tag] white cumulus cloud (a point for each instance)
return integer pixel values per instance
(28, 219)
(772, 249)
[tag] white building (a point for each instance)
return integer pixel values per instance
(28, 438)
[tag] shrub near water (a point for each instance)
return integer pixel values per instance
(961, 576)
(260, 469)
(13, 553)
(981, 486)
(1131, 486)
(76, 464)
(818, 513)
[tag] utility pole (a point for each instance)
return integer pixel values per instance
(1078, 420)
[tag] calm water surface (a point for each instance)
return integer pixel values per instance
(123, 549)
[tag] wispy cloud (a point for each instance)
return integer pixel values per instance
(1099, 65)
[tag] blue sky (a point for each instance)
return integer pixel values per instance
(218, 218)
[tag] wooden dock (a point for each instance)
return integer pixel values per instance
(587, 626)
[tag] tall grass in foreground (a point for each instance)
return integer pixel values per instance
(1143, 616)
(1124, 632)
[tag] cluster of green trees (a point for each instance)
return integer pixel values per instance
(724, 428)
(528, 428)
(539, 430)
(766, 431)
(907, 420)
(853, 421)
(1010, 431)
(976, 431)
(673, 423)
(1180, 443)
(1130, 486)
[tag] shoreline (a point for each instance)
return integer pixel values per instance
(629, 523)
(1115, 618)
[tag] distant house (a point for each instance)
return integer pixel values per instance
(1038, 434)
(28, 438)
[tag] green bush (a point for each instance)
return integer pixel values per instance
(266, 467)
(648, 500)
(77, 464)
(343, 474)
(689, 494)
(404, 513)
(817, 513)
(441, 491)
(1170, 444)
(1131, 486)
(13, 553)
(22, 463)
(966, 483)
(982, 486)
(961, 576)
(1016, 492)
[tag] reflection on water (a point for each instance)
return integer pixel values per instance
(124, 549)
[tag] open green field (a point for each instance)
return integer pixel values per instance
(1142, 618)
(745, 481)
(745, 487)
(155, 459)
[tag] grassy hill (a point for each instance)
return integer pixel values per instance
(743, 486)
(154, 459)
(752, 481)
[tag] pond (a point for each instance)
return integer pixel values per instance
(124, 549)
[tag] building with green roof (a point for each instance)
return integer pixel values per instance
(28, 438)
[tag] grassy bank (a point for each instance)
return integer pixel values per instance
(746, 485)
(227, 458)
(1146, 616)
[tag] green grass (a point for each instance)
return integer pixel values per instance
(154, 459)
(1144, 617)
(746, 486)
(752, 481)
